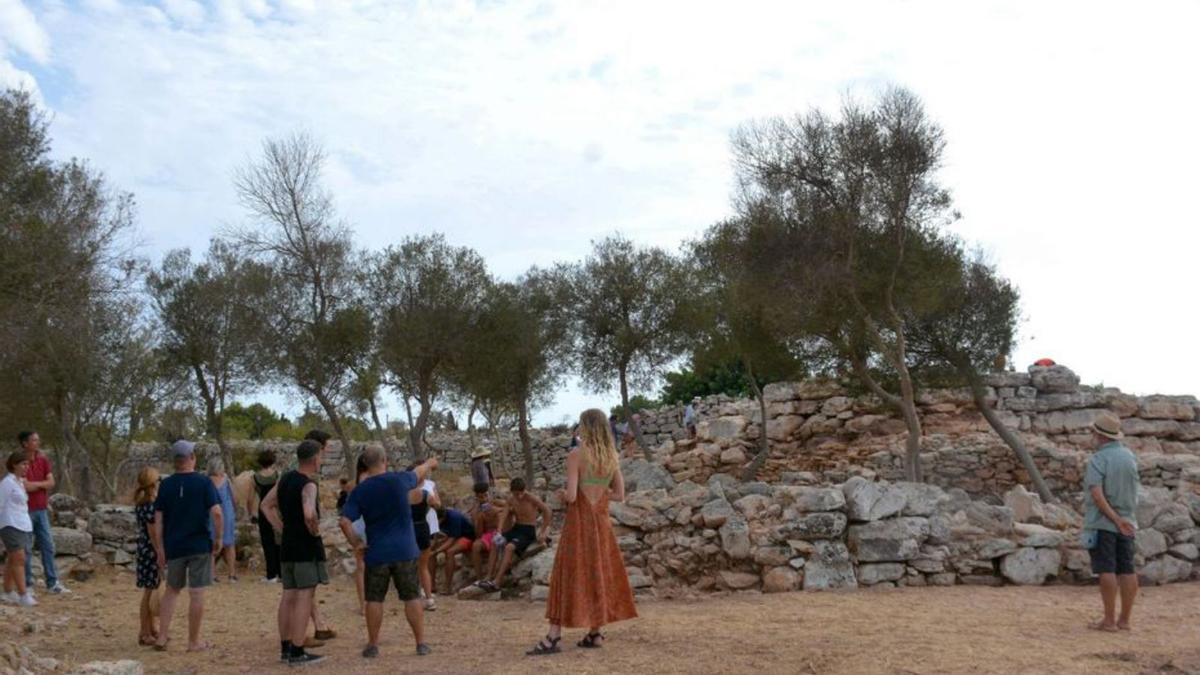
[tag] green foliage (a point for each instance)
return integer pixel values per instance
(629, 304)
(637, 403)
(685, 384)
(250, 421)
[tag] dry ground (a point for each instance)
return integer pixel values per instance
(942, 630)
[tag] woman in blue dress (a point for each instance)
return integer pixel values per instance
(228, 552)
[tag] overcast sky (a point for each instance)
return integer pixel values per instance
(526, 129)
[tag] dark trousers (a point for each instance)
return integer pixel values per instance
(266, 534)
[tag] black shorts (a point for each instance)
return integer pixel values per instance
(403, 575)
(521, 537)
(421, 530)
(1113, 553)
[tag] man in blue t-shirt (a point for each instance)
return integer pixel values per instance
(382, 501)
(186, 513)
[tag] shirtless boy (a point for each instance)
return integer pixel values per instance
(520, 519)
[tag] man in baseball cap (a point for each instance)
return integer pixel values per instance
(1110, 520)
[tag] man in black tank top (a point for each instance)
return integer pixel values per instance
(292, 507)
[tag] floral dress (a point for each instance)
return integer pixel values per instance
(147, 560)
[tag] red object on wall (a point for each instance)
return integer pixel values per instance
(1045, 362)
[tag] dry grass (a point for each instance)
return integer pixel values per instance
(935, 630)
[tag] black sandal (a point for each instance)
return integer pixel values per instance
(591, 641)
(542, 648)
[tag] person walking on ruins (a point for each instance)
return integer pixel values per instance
(265, 479)
(689, 420)
(186, 508)
(148, 577)
(589, 587)
(522, 509)
(16, 528)
(1110, 521)
(383, 501)
(293, 509)
(481, 468)
(228, 532)
(39, 482)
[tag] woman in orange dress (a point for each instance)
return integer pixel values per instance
(589, 587)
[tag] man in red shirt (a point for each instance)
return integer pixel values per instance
(39, 480)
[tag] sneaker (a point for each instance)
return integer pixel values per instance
(423, 650)
(270, 580)
(27, 600)
(304, 659)
(59, 589)
(10, 598)
(430, 604)
(370, 652)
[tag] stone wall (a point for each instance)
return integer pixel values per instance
(820, 428)
(687, 537)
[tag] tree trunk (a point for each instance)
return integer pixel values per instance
(379, 432)
(764, 443)
(75, 450)
(471, 422)
(912, 445)
(416, 434)
(526, 444)
(335, 419)
(412, 445)
(635, 427)
(1010, 439)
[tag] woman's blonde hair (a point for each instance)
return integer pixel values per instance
(596, 441)
(147, 487)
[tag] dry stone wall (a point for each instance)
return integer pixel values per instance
(820, 428)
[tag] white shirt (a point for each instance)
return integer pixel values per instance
(431, 517)
(14, 504)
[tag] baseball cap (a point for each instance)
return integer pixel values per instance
(183, 448)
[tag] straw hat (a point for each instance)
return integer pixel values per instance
(481, 452)
(1108, 426)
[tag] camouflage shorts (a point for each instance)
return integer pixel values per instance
(403, 574)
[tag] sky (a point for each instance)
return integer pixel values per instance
(526, 129)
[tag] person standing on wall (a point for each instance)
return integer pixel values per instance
(39, 481)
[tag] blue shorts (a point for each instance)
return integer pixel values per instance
(1113, 553)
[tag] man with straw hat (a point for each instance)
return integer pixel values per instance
(1110, 520)
(481, 467)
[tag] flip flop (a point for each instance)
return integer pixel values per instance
(162, 647)
(202, 647)
(1100, 626)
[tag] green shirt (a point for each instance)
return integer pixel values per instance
(1114, 468)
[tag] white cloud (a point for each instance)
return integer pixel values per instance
(527, 128)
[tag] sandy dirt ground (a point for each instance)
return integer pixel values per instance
(934, 630)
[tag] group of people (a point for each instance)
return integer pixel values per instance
(25, 521)
(400, 531)
(388, 518)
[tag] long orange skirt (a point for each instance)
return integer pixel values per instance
(589, 587)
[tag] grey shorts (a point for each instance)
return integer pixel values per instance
(14, 539)
(193, 571)
(301, 575)
(404, 575)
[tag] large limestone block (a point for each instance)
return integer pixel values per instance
(1031, 566)
(111, 522)
(1038, 536)
(784, 428)
(812, 526)
(1026, 506)
(715, 513)
(869, 575)
(867, 500)
(1053, 379)
(780, 580)
(735, 538)
(1166, 569)
(737, 581)
(70, 541)
(892, 540)
(990, 518)
(642, 475)
(829, 566)
(1167, 408)
(722, 429)
(808, 499)
(921, 499)
(1151, 543)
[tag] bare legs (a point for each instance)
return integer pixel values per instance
(1126, 585)
(195, 615)
(360, 580)
(423, 568)
(1129, 590)
(229, 555)
(374, 621)
(148, 632)
(510, 550)
(14, 572)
